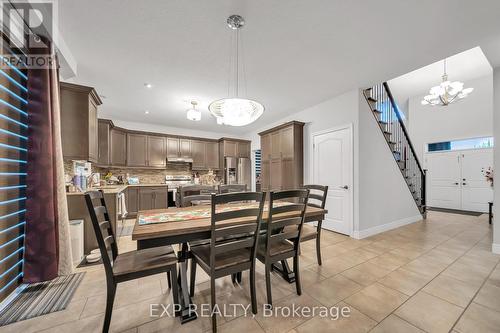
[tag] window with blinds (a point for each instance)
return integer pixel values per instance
(13, 151)
(257, 162)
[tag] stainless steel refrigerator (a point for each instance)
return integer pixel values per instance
(238, 171)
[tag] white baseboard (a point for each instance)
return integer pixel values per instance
(385, 227)
(495, 248)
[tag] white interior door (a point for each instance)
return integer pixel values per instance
(444, 180)
(332, 166)
(476, 191)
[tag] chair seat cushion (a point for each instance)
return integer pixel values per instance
(222, 260)
(276, 248)
(308, 231)
(144, 260)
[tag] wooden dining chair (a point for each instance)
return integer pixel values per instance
(190, 190)
(286, 210)
(197, 199)
(129, 265)
(317, 198)
(233, 243)
(232, 188)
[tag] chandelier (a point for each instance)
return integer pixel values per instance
(447, 92)
(236, 111)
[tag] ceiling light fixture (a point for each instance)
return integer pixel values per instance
(146, 112)
(193, 114)
(236, 111)
(447, 92)
(148, 85)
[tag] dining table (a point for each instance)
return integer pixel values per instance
(172, 226)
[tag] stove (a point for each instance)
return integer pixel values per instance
(178, 180)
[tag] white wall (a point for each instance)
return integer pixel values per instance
(469, 118)
(381, 198)
(496, 153)
(167, 130)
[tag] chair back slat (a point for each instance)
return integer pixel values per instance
(292, 214)
(103, 230)
(232, 188)
(190, 190)
(245, 242)
(289, 208)
(243, 234)
(188, 200)
(236, 214)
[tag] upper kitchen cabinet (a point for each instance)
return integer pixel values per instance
(243, 148)
(234, 148)
(118, 144)
(137, 150)
(79, 125)
(157, 151)
(212, 149)
(178, 148)
(104, 145)
(282, 157)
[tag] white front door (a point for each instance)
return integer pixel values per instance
(332, 166)
(444, 180)
(476, 191)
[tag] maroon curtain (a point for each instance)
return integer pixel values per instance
(41, 242)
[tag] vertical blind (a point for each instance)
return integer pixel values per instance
(13, 151)
(257, 162)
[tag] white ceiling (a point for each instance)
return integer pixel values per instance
(297, 53)
(465, 66)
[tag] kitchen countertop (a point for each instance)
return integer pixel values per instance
(116, 189)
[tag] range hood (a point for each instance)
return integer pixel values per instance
(179, 160)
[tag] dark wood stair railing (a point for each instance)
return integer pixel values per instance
(390, 121)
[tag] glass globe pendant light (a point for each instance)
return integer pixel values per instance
(236, 111)
(193, 114)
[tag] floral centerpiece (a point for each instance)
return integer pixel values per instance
(488, 174)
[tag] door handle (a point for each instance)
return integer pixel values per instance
(464, 183)
(456, 183)
(345, 187)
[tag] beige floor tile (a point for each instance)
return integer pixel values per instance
(333, 266)
(407, 282)
(356, 322)
(409, 252)
(451, 290)
(278, 321)
(242, 324)
(494, 278)
(390, 261)
(489, 296)
(333, 290)
(366, 273)
(429, 313)
(376, 301)
(467, 272)
(426, 266)
(309, 277)
(90, 324)
(478, 318)
(394, 324)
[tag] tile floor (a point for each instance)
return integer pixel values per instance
(432, 276)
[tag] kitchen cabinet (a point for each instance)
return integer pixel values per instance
(118, 144)
(212, 155)
(282, 157)
(133, 201)
(153, 198)
(199, 152)
(157, 153)
(104, 144)
(178, 147)
(137, 150)
(243, 149)
(173, 147)
(230, 149)
(79, 124)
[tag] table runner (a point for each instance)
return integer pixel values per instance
(195, 213)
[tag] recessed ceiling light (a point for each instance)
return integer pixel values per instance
(146, 112)
(148, 85)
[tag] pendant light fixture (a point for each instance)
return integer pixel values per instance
(447, 92)
(236, 110)
(193, 114)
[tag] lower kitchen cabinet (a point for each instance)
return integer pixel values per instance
(133, 200)
(153, 198)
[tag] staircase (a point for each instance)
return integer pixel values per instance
(388, 117)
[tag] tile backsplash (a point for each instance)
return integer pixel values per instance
(146, 176)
